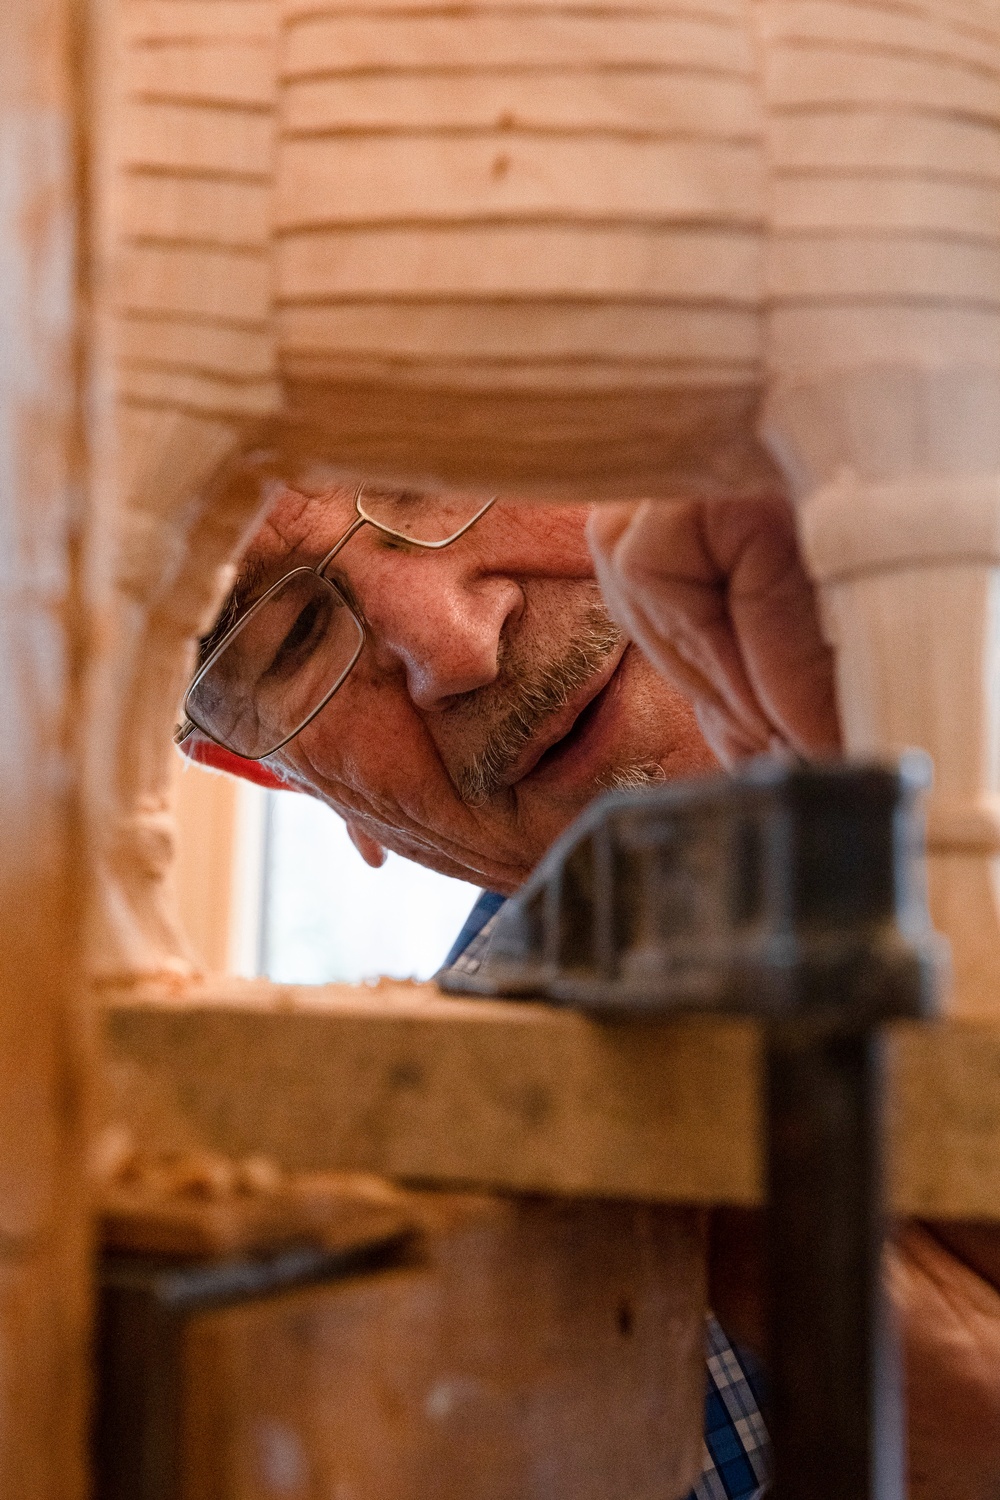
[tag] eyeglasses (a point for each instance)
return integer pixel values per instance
(282, 662)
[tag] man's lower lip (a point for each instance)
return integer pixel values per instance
(575, 745)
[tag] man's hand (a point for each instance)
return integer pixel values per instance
(716, 595)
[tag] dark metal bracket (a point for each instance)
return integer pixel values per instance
(794, 894)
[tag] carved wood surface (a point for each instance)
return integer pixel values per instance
(570, 249)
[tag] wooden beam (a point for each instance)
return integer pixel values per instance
(401, 1080)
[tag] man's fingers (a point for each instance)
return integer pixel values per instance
(607, 523)
(719, 589)
(670, 599)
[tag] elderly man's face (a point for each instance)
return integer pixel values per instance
(494, 696)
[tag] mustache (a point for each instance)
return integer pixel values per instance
(533, 698)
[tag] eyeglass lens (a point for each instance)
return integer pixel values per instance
(285, 658)
(294, 647)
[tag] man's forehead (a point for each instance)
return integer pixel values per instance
(295, 529)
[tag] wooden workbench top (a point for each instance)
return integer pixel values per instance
(398, 1079)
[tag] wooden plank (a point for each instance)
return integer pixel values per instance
(568, 383)
(225, 285)
(811, 77)
(47, 401)
(380, 179)
(964, 209)
(157, 21)
(192, 391)
(525, 260)
(880, 28)
(881, 144)
(889, 267)
(646, 102)
(197, 211)
(402, 1081)
(854, 335)
(195, 138)
(336, 44)
(544, 330)
(230, 73)
(215, 349)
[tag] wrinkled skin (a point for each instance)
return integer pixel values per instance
(717, 597)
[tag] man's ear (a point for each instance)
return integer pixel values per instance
(370, 849)
(208, 753)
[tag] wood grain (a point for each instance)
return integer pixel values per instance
(532, 1351)
(46, 484)
(521, 1097)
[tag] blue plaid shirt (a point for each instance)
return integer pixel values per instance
(736, 1460)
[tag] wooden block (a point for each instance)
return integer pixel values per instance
(533, 1351)
(224, 285)
(157, 21)
(885, 143)
(643, 102)
(505, 333)
(812, 78)
(357, 180)
(406, 1083)
(454, 262)
(318, 44)
(195, 138)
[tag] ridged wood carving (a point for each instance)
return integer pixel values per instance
(588, 248)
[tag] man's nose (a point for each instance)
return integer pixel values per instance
(442, 624)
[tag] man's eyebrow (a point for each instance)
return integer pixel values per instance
(246, 587)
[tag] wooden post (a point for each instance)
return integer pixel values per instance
(43, 627)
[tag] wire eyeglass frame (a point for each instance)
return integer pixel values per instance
(190, 724)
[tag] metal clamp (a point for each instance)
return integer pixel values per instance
(796, 895)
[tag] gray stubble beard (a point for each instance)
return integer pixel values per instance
(537, 699)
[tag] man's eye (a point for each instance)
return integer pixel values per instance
(304, 635)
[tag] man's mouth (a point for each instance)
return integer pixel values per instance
(566, 742)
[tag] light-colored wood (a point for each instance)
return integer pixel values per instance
(520, 1097)
(613, 232)
(633, 238)
(884, 400)
(530, 1351)
(201, 1219)
(45, 483)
